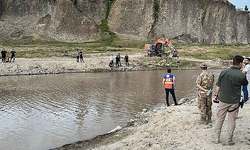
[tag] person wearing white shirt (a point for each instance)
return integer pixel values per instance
(246, 70)
(111, 59)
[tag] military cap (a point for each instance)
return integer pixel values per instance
(203, 65)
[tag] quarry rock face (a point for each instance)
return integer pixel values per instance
(132, 19)
(68, 24)
(212, 22)
(180, 18)
(219, 23)
(56, 19)
(199, 21)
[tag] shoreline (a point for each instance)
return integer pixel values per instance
(174, 127)
(93, 64)
(61, 65)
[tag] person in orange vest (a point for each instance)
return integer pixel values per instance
(169, 84)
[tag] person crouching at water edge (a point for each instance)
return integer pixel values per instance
(169, 84)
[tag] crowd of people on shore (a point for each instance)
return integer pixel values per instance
(79, 58)
(231, 83)
(118, 61)
(7, 59)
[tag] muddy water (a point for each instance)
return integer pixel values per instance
(43, 112)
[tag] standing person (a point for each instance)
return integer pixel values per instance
(13, 55)
(204, 83)
(126, 60)
(2, 55)
(246, 70)
(81, 57)
(169, 84)
(228, 91)
(119, 60)
(3, 52)
(77, 55)
(178, 62)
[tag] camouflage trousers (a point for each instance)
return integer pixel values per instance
(205, 105)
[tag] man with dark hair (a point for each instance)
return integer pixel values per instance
(205, 83)
(13, 55)
(119, 60)
(126, 60)
(246, 70)
(4, 52)
(77, 55)
(81, 56)
(228, 91)
(169, 83)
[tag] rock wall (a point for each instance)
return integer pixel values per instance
(208, 21)
(132, 19)
(243, 27)
(219, 23)
(62, 20)
(202, 21)
(178, 18)
(93, 9)
(68, 24)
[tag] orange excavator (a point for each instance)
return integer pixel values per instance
(158, 48)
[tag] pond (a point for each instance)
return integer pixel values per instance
(48, 111)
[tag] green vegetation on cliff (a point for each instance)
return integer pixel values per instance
(107, 37)
(203, 3)
(156, 8)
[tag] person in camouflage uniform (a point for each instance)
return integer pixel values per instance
(205, 82)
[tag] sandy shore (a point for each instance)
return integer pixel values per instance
(174, 127)
(92, 63)
(55, 65)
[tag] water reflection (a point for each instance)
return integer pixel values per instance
(42, 112)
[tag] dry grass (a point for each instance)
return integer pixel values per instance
(33, 47)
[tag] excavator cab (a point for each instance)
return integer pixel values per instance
(158, 48)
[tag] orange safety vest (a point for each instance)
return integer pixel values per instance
(169, 81)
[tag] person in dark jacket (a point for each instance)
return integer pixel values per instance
(13, 55)
(3, 52)
(228, 91)
(126, 60)
(81, 57)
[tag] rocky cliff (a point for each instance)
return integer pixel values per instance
(208, 21)
(203, 21)
(63, 20)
